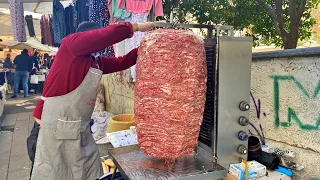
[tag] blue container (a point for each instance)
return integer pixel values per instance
(118, 176)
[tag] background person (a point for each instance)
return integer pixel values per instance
(23, 64)
(8, 64)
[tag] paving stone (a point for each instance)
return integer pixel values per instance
(11, 116)
(19, 163)
(4, 159)
(21, 131)
(20, 150)
(22, 124)
(17, 142)
(23, 117)
(3, 172)
(5, 138)
(30, 128)
(21, 174)
(6, 153)
(20, 135)
(5, 148)
(8, 124)
(31, 116)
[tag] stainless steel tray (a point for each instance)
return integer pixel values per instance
(135, 165)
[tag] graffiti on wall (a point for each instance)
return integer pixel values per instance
(257, 106)
(259, 131)
(292, 115)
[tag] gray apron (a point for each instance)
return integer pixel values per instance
(66, 149)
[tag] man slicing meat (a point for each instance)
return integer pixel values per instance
(63, 148)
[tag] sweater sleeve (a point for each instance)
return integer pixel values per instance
(37, 112)
(85, 43)
(110, 65)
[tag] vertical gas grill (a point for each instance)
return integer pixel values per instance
(223, 134)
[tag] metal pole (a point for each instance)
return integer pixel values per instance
(210, 32)
(114, 173)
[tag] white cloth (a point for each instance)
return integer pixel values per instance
(34, 79)
(123, 138)
(120, 49)
(100, 124)
(134, 42)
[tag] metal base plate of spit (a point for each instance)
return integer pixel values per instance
(135, 165)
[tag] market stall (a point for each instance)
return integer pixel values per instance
(31, 44)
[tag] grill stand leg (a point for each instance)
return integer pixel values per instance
(114, 173)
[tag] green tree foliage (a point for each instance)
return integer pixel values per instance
(279, 22)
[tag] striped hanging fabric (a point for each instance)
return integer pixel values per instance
(29, 21)
(58, 22)
(98, 12)
(17, 20)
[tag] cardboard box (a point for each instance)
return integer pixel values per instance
(256, 170)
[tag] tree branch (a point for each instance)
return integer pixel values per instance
(276, 25)
(302, 8)
(277, 17)
(268, 8)
(279, 12)
(293, 11)
(293, 15)
(280, 17)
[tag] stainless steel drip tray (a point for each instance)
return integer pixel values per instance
(135, 165)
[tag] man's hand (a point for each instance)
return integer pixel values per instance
(143, 27)
(38, 121)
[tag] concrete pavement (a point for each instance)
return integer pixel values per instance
(14, 160)
(16, 124)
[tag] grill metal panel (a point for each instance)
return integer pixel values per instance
(206, 133)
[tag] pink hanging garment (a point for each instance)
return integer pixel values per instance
(142, 6)
(17, 20)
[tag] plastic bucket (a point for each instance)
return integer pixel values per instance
(120, 122)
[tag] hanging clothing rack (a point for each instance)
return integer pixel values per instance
(210, 28)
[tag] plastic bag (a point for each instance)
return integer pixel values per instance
(34, 79)
(41, 78)
(123, 138)
(100, 124)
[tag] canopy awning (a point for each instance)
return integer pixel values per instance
(32, 43)
(44, 6)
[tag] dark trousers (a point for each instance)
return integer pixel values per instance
(10, 78)
(21, 76)
(32, 143)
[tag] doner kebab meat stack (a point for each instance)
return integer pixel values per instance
(170, 92)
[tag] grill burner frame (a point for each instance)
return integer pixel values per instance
(206, 130)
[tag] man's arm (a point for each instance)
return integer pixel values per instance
(88, 42)
(30, 64)
(15, 61)
(38, 121)
(110, 65)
